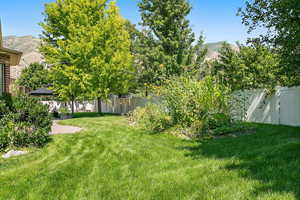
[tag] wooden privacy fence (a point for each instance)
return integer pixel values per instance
(117, 105)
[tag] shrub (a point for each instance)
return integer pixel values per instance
(5, 104)
(4, 140)
(151, 117)
(3, 108)
(196, 105)
(191, 107)
(64, 110)
(218, 120)
(31, 110)
(26, 123)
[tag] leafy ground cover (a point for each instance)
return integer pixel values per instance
(111, 160)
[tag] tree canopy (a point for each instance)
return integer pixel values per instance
(248, 67)
(170, 40)
(33, 77)
(281, 20)
(88, 45)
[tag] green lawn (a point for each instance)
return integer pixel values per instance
(110, 160)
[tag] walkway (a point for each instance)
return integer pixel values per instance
(61, 129)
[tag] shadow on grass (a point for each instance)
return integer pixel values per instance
(271, 156)
(92, 115)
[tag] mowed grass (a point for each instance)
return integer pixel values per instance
(111, 160)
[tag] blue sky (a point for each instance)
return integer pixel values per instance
(216, 18)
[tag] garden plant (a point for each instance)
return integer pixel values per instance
(24, 122)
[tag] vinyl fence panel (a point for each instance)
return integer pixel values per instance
(290, 106)
(282, 107)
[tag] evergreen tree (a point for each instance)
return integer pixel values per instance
(33, 77)
(170, 36)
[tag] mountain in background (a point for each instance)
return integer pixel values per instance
(214, 47)
(29, 45)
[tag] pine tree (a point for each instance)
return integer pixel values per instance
(172, 38)
(34, 76)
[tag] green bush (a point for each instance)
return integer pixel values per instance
(5, 104)
(27, 123)
(3, 108)
(189, 106)
(151, 117)
(196, 105)
(64, 110)
(4, 139)
(218, 120)
(32, 111)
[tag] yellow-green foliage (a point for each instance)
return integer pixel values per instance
(251, 67)
(151, 117)
(89, 48)
(190, 102)
(191, 106)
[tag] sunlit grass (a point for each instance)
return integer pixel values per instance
(110, 160)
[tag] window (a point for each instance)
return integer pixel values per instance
(1, 79)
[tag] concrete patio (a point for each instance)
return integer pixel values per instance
(62, 129)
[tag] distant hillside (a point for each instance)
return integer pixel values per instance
(213, 49)
(26, 44)
(29, 45)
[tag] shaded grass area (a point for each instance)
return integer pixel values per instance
(110, 160)
(92, 114)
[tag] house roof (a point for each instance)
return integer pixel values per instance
(8, 56)
(11, 57)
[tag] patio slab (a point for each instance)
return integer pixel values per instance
(62, 129)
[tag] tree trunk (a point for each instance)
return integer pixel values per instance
(99, 105)
(146, 92)
(72, 107)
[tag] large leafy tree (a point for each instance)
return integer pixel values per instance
(112, 67)
(33, 77)
(249, 67)
(281, 20)
(87, 43)
(170, 38)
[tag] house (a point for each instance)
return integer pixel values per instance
(8, 58)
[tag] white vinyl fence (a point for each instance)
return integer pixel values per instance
(282, 107)
(85, 106)
(114, 105)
